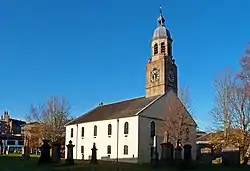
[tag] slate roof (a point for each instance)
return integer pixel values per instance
(116, 110)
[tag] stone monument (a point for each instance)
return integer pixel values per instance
(94, 155)
(56, 152)
(167, 153)
(70, 158)
(45, 152)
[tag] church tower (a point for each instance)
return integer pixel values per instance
(161, 70)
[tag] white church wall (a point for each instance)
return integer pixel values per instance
(102, 139)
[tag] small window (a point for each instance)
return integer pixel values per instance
(109, 129)
(71, 132)
(95, 130)
(125, 150)
(109, 149)
(126, 128)
(82, 131)
(82, 149)
(152, 129)
(155, 49)
(163, 47)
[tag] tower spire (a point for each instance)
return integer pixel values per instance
(161, 19)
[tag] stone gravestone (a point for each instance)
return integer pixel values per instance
(70, 159)
(167, 153)
(178, 153)
(231, 156)
(206, 155)
(94, 155)
(45, 153)
(187, 152)
(56, 152)
(25, 152)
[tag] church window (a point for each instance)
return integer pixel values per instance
(82, 131)
(95, 130)
(155, 49)
(109, 129)
(125, 150)
(109, 149)
(152, 129)
(71, 132)
(126, 128)
(82, 149)
(163, 47)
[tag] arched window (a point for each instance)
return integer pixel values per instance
(163, 48)
(155, 49)
(108, 149)
(126, 128)
(71, 132)
(109, 129)
(95, 130)
(152, 129)
(82, 131)
(125, 150)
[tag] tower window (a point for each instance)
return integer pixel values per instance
(109, 129)
(95, 131)
(126, 128)
(109, 149)
(155, 49)
(163, 48)
(71, 132)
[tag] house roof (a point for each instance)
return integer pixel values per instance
(116, 110)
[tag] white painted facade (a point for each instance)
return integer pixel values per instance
(103, 140)
(138, 138)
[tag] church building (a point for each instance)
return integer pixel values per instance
(126, 130)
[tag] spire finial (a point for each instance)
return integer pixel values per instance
(161, 19)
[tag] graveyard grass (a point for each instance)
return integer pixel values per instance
(16, 163)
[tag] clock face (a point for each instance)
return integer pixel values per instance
(155, 75)
(171, 76)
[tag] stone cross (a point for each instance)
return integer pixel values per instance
(56, 152)
(70, 159)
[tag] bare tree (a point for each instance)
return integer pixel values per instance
(231, 111)
(53, 115)
(175, 126)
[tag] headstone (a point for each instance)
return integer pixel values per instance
(154, 153)
(178, 153)
(187, 152)
(25, 152)
(94, 155)
(70, 159)
(231, 156)
(45, 152)
(167, 153)
(56, 151)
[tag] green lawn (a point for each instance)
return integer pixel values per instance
(16, 163)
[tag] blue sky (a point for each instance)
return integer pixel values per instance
(93, 51)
